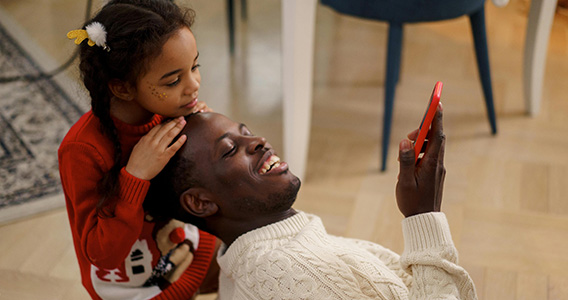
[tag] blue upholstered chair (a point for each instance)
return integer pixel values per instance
(398, 12)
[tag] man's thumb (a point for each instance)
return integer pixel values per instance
(406, 157)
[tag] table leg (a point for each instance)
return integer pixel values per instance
(536, 44)
(298, 25)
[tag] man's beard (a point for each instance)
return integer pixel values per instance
(277, 201)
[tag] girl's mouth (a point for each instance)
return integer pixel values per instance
(191, 104)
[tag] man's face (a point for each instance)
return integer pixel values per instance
(239, 169)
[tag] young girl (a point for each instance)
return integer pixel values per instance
(139, 64)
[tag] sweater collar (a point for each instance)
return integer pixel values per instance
(138, 129)
(284, 229)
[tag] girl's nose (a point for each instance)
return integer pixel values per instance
(192, 84)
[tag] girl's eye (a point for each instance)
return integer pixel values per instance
(231, 151)
(173, 83)
(195, 67)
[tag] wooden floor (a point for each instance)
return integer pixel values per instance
(505, 195)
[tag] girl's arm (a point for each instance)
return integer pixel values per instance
(188, 284)
(105, 242)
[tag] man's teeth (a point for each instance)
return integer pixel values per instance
(272, 162)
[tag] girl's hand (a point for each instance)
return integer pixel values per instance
(151, 154)
(419, 188)
(202, 107)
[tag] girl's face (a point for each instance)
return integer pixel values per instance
(170, 86)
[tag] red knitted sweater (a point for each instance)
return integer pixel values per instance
(116, 255)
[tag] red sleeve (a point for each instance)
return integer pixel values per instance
(188, 284)
(105, 242)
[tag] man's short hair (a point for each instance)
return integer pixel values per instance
(163, 198)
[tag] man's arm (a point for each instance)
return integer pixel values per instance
(429, 254)
(431, 258)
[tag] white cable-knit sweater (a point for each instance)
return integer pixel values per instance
(297, 259)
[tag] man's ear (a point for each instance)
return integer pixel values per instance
(121, 89)
(197, 202)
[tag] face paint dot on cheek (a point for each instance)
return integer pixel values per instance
(154, 92)
(161, 96)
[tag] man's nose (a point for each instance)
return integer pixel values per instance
(256, 143)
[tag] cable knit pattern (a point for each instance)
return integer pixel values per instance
(431, 258)
(297, 259)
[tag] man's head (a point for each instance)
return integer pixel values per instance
(223, 173)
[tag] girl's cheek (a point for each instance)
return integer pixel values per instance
(156, 92)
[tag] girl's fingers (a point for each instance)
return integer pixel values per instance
(170, 135)
(153, 131)
(167, 132)
(202, 107)
(171, 150)
(158, 130)
(177, 122)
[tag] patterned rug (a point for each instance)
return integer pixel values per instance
(34, 118)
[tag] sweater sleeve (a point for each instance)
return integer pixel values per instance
(105, 242)
(188, 284)
(431, 258)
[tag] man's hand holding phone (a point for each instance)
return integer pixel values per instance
(420, 185)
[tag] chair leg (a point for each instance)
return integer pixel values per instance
(394, 49)
(231, 23)
(243, 10)
(397, 75)
(477, 21)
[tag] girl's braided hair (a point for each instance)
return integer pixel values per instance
(136, 31)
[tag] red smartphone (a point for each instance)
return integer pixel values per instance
(427, 119)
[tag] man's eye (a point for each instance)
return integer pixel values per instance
(247, 132)
(228, 153)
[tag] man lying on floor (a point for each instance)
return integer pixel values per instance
(230, 183)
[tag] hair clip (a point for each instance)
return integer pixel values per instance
(94, 32)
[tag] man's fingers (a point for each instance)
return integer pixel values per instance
(441, 152)
(436, 137)
(413, 135)
(438, 122)
(406, 162)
